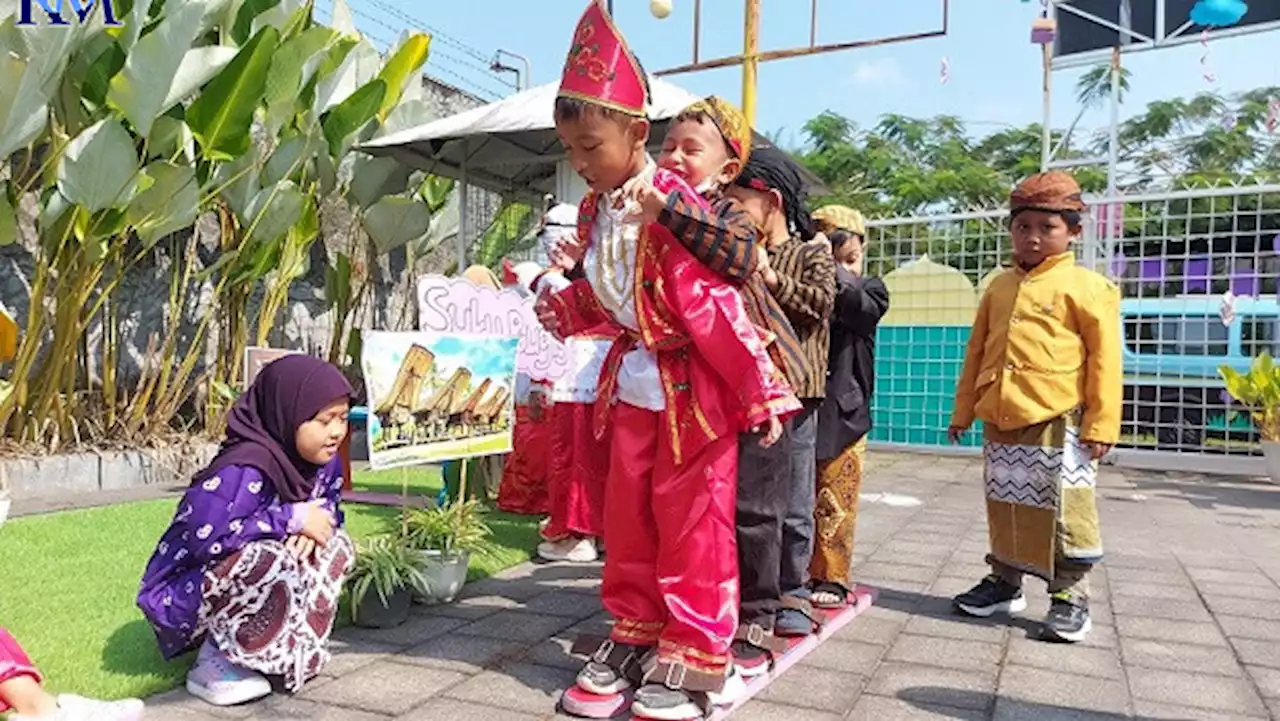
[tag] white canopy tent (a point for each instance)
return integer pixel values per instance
(510, 147)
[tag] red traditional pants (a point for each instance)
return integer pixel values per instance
(576, 473)
(524, 475)
(671, 573)
(14, 662)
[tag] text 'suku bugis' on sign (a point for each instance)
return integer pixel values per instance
(455, 305)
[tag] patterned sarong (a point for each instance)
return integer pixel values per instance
(1041, 496)
(836, 515)
(270, 613)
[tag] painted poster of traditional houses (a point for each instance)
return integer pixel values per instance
(435, 397)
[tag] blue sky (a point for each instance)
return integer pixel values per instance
(995, 70)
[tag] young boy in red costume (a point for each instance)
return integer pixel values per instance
(687, 373)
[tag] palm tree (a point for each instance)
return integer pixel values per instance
(1094, 87)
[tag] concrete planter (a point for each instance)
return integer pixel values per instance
(445, 577)
(1271, 450)
(68, 474)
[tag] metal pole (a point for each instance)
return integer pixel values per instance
(750, 60)
(463, 211)
(1046, 131)
(1113, 143)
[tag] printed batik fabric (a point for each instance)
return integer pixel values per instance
(1041, 488)
(273, 613)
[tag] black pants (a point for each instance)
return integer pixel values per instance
(764, 479)
(802, 484)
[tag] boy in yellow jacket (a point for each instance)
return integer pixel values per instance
(1043, 373)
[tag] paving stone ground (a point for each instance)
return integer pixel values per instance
(1186, 612)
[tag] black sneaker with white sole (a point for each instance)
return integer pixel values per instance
(993, 595)
(1068, 620)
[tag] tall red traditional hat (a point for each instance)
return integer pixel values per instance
(600, 68)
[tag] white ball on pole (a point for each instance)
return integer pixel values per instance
(660, 8)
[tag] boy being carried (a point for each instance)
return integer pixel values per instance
(707, 145)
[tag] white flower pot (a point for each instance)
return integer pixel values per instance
(1271, 451)
(445, 577)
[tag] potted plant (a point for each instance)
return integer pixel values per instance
(445, 535)
(1259, 390)
(393, 571)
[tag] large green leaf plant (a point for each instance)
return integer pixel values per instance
(120, 138)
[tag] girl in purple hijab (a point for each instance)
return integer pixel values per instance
(252, 565)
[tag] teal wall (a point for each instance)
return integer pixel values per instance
(916, 372)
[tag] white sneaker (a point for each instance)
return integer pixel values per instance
(734, 687)
(78, 708)
(573, 550)
(217, 681)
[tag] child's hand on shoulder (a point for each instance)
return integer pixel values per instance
(651, 200)
(766, 271)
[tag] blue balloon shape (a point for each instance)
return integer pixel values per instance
(1218, 13)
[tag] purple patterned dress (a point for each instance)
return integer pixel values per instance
(222, 571)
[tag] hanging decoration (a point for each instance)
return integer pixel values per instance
(1044, 30)
(1227, 308)
(1218, 13)
(945, 73)
(1273, 118)
(1208, 75)
(1229, 121)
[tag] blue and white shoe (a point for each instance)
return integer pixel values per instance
(217, 681)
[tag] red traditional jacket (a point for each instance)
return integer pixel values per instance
(717, 378)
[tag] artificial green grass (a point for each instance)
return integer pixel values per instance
(68, 582)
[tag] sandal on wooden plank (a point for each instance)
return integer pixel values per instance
(797, 617)
(823, 590)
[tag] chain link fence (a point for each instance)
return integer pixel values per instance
(1197, 270)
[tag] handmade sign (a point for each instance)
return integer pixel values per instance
(256, 358)
(438, 396)
(454, 305)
